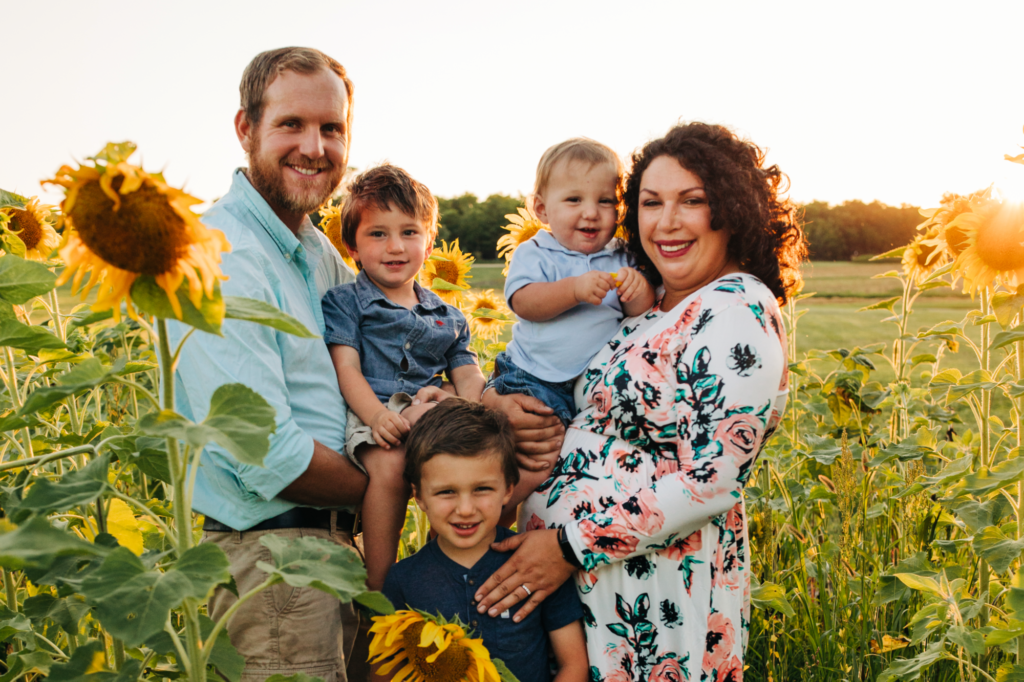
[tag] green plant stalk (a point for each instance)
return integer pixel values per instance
(12, 390)
(11, 589)
(182, 508)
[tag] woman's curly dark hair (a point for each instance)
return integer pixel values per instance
(765, 239)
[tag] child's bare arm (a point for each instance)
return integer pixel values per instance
(570, 650)
(635, 293)
(388, 427)
(541, 301)
(468, 381)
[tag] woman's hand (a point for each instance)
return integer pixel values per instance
(537, 564)
(538, 430)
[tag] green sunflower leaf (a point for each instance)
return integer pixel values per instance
(440, 285)
(261, 312)
(376, 601)
(12, 200)
(22, 280)
(315, 562)
(38, 544)
(28, 337)
(81, 486)
(239, 420)
(151, 299)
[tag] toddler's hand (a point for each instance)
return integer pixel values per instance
(593, 286)
(631, 284)
(388, 428)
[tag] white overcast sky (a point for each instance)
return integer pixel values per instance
(895, 101)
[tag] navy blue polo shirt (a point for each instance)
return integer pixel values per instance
(431, 582)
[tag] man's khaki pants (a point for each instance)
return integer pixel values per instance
(287, 630)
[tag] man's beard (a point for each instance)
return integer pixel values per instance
(267, 176)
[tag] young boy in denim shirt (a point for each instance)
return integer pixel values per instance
(390, 339)
(461, 463)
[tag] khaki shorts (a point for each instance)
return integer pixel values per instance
(287, 630)
(358, 433)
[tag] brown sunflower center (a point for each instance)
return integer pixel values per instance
(451, 666)
(446, 270)
(999, 241)
(144, 236)
(27, 226)
(956, 238)
(923, 253)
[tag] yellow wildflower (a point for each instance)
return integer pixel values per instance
(487, 314)
(451, 266)
(521, 229)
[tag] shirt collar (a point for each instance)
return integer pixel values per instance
(546, 240)
(289, 244)
(368, 293)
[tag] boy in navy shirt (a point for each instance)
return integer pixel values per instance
(460, 460)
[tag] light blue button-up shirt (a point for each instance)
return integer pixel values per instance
(560, 349)
(296, 376)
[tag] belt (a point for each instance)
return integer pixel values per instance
(298, 517)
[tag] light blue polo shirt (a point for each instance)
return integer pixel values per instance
(561, 348)
(296, 376)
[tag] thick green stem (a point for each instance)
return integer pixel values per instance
(12, 386)
(182, 508)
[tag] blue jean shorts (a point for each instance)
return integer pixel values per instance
(558, 395)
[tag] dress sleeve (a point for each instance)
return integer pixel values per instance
(724, 375)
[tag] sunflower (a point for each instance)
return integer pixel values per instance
(428, 649)
(124, 223)
(922, 256)
(330, 221)
(487, 314)
(995, 246)
(31, 226)
(521, 229)
(945, 225)
(451, 266)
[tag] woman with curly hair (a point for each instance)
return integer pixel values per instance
(644, 503)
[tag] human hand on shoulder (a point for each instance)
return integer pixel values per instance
(592, 286)
(388, 428)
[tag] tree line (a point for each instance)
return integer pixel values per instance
(834, 232)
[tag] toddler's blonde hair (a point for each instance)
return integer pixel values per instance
(583, 150)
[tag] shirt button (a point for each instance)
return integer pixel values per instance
(471, 582)
(473, 623)
(407, 347)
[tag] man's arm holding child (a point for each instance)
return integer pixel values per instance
(388, 427)
(570, 649)
(635, 293)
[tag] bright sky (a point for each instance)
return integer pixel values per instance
(895, 101)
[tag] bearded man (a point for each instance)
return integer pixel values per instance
(294, 124)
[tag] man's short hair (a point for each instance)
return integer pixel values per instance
(386, 187)
(582, 150)
(266, 66)
(460, 428)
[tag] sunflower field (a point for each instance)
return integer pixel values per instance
(886, 537)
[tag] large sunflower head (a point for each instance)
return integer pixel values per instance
(487, 314)
(445, 272)
(124, 223)
(27, 230)
(330, 217)
(521, 229)
(944, 223)
(428, 649)
(995, 246)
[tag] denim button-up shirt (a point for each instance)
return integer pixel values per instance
(270, 263)
(399, 349)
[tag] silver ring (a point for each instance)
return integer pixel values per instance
(528, 593)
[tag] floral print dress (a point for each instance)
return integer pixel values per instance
(675, 410)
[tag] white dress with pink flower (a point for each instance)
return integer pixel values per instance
(675, 410)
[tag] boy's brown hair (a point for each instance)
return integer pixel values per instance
(460, 428)
(386, 187)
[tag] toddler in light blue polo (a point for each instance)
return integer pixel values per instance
(569, 287)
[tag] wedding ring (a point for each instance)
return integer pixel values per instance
(527, 589)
